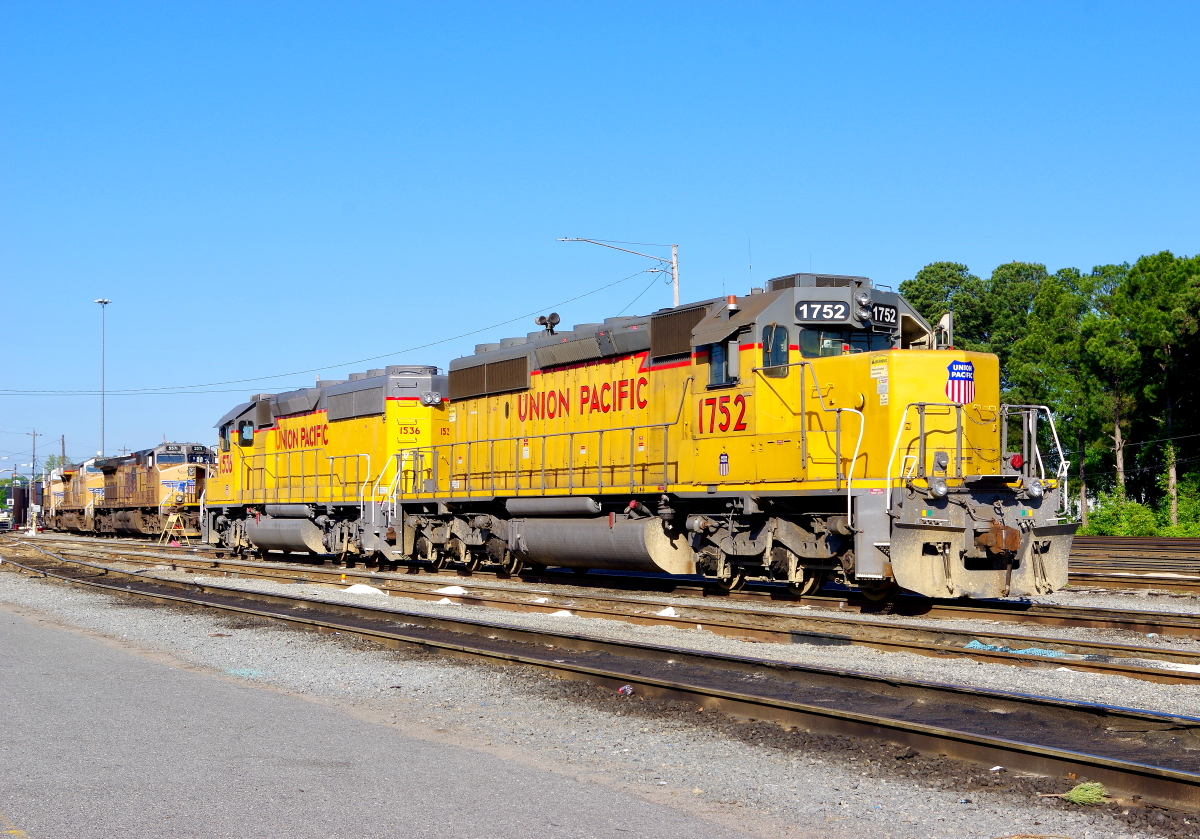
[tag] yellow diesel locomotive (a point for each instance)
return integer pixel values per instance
(72, 495)
(131, 495)
(810, 430)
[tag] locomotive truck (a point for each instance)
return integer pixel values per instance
(811, 430)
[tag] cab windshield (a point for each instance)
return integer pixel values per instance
(821, 343)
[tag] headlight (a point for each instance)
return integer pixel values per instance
(862, 299)
(864, 314)
(938, 487)
(1035, 488)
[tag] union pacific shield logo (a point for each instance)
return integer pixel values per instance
(960, 382)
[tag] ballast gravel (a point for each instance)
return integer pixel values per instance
(1058, 681)
(1133, 600)
(767, 779)
(1152, 599)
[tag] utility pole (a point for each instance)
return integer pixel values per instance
(675, 275)
(673, 262)
(103, 306)
(33, 462)
(62, 442)
(33, 509)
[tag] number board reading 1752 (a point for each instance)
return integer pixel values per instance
(884, 315)
(824, 312)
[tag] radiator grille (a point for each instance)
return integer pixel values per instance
(359, 403)
(568, 352)
(671, 334)
(494, 377)
(501, 376)
(834, 282)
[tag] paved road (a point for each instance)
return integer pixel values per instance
(99, 742)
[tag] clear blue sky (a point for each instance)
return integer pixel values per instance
(264, 188)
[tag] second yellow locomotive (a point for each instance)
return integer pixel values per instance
(808, 431)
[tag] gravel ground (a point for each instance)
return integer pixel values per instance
(1133, 599)
(1056, 681)
(1138, 600)
(1151, 599)
(756, 774)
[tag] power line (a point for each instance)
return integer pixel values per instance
(281, 388)
(189, 388)
(644, 244)
(1143, 443)
(634, 300)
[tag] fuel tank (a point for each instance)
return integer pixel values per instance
(285, 534)
(615, 544)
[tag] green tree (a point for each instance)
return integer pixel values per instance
(1010, 293)
(1112, 356)
(1157, 301)
(1046, 367)
(942, 287)
(54, 461)
(989, 315)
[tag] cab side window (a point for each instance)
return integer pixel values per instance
(224, 435)
(775, 351)
(723, 362)
(245, 433)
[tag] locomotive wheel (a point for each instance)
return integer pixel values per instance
(737, 579)
(428, 552)
(877, 591)
(811, 582)
(512, 564)
(473, 562)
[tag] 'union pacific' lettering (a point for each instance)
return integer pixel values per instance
(305, 437)
(606, 397)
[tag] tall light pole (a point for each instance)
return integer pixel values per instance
(103, 305)
(673, 262)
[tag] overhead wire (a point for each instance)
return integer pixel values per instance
(643, 291)
(181, 389)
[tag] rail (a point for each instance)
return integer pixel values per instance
(425, 461)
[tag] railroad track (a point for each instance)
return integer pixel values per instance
(1000, 611)
(1096, 562)
(1156, 664)
(1151, 757)
(1136, 562)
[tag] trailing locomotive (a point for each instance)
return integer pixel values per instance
(808, 431)
(131, 495)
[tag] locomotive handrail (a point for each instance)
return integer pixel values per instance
(363, 488)
(920, 457)
(258, 462)
(1029, 433)
(1031, 427)
(837, 454)
(435, 448)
